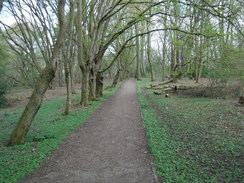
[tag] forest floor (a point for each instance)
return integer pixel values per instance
(19, 96)
(194, 139)
(191, 139)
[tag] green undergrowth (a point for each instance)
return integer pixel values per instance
(48, 130)
(196, 140)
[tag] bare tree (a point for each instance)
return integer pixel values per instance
(46, 76)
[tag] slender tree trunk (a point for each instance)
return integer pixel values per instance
(60, 74)
(137, 75)
(68, 89)
(24, 123)
(173, 62)
(149, 53)
(164, 44)
(143, 73)
(201, 50)
(116, 79)
(200, 61)
(164, 56)
(72, 76)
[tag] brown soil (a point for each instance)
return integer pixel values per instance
(110, 147)
(18, 97)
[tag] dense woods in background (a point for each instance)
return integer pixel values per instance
(67, 42)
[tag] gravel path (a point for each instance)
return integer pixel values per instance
(111, 147)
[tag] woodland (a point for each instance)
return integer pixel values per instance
(80, 44)
(85, 41)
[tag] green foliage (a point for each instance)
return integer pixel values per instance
(4, 57)
(230, 65)
(178, 43)
(49, 128)
(194, 139)
(3, 88)
(209, 30)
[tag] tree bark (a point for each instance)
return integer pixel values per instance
(85, 86)
(137, 75)
(60, 74)
(72, 75)
(68, 89)
(201, 50)
(149, 53)
(164, 56)
(93, 83)
(116, 79)
(99, 88)
(143, 72)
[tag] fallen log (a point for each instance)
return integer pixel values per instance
(154, 88)
(161, 83)
(167, 89)
(157, 93)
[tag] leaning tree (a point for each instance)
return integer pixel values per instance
(47, 73)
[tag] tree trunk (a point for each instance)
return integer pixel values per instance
(99, 88)
(173, 62)
(68, 88)
(93, 83)
(116, 79)
(201, 51)
(164, 56)
(137, 75)
(200, 61)
(149, 53)
(72, 76)
(24, 123)
(85, 87)
(60, 74)
(143, 73)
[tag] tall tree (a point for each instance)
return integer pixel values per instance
(149, 49)
(138, 54)
(46, 76)
(68, 56)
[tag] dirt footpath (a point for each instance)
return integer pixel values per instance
(111, 147)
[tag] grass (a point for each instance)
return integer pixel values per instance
(48, 130)
(194, 139)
